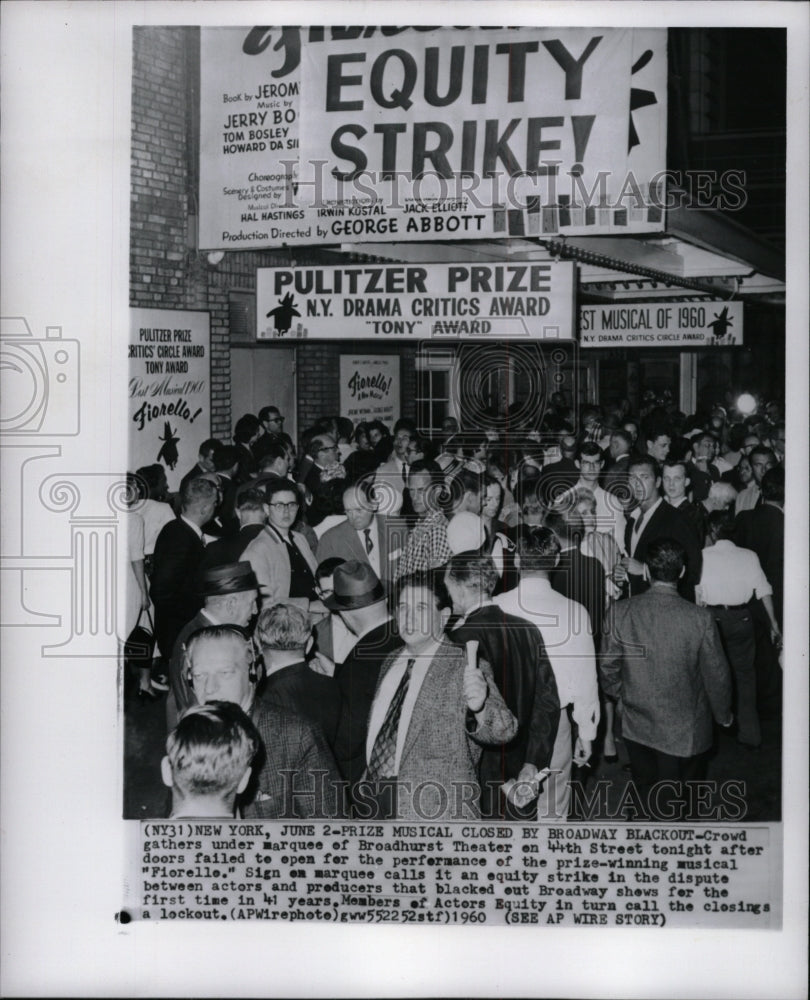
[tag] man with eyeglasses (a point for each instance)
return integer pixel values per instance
(272, 423)
(281, 558)
(363, 536)
(324, 480)
(297, 777)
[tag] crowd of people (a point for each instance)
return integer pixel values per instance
(443, 627)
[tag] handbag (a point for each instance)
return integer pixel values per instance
(140, 645)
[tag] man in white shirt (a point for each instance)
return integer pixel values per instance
(432, 710)
(731, 580)
(571, 652)
(609, 514)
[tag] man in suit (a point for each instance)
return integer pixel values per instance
(566, 632)
(616, 475)
(251, 515)
(358, 596)
(324, 480)
(557, 477)
(230, 593)
(362, 536)
(285, 636)
(178, 553)
(578, 577)
(205, 461)
(762, 529)
(674, 483)
(272, 432)
(431, 713)
(514, 649)
(653, 519)
(664, 662)
(296, 776)
(246, 432)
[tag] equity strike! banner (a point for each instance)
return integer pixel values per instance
(336, 135)
(491, 301)
(169, 389)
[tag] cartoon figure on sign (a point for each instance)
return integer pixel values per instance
(168, 453)
(720, 323)
(283, 313)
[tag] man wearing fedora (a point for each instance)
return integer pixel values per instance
(230, 593)
(358, 597)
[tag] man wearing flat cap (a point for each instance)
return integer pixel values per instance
(358, 597)
(229, 593)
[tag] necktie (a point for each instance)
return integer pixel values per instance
(383, 753)
(404, 472)
(369, 543)
(637, 525)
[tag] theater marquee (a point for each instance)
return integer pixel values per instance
(531, 301)
(670, 324)
(363, 134)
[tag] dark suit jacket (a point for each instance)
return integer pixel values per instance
(191, 474)
(176, 562)
(343, 542)
(230, 548)
(667, 522)
(514, 649)
(582, 579)
(663, 659)
(763, 530)
(556, 478)
(327, 497)
(357, 679)
(296, 777)
(616, 477)
(298, 689)
(247, 463)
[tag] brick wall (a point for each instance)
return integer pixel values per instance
(167, 271)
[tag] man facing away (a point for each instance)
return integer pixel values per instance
(566, 631)
(514, 649)
(208, 760)
(296, 777)
(663, 661)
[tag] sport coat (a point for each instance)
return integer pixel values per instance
(297, 688)
(514, 649)
(582, 579)
(230, 548)
(268, 556)
(438, 769)
(663, 659)
(176, 562)
(667, 522)
(343, 542)
(296, 775)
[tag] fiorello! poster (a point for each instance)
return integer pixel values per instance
(169, 389)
